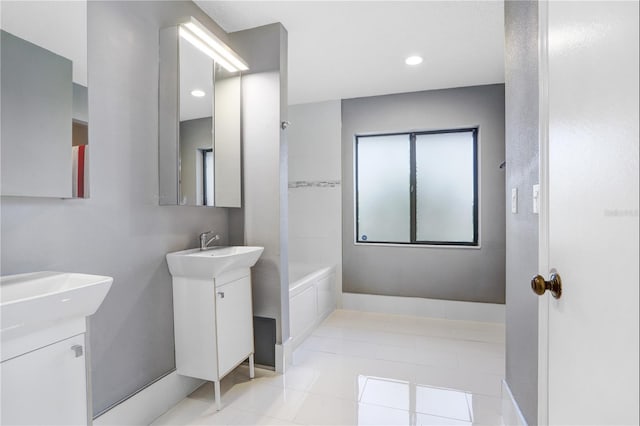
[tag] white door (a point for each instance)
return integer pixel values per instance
(234, 320)
(589, 213)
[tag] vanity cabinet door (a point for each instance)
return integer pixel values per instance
(47, 386)
(234, 320)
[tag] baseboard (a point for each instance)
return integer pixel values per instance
(511, 414)
(431, 308)
(150, 403)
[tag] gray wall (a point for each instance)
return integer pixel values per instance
(475, 275)
(265, 168)
(120, 231)
(80, 103)
(521, 97)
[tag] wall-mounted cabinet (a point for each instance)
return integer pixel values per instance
(44, 96)
(199, 124)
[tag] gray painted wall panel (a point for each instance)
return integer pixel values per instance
(80, 103)
(121, 230)
(521, 97)
(475, 275)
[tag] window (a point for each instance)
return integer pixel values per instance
(417, 188)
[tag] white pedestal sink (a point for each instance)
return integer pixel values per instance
(211, 263)
(212, 313)
(43, 326)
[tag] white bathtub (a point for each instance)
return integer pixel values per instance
(312, 297)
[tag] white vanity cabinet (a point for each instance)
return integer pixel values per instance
(213, 323)
(43, 327)
(46, 386)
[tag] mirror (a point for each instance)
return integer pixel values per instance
(199, 129)
(44, 99)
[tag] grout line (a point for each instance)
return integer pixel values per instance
(314, 184)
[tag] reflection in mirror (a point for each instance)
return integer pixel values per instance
(199, 128)
(44, 81)
(227, 138)
(196, 131)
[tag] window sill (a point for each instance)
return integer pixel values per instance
(430, 246)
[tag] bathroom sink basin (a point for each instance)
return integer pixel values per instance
(196, 263)
(44, 298)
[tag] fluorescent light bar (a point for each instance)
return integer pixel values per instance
(200, 45)
(196, 33)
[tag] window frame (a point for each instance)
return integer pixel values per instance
(475, 243)
(205, 183)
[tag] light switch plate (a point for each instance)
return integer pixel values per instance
(514, 200)
(536, 198)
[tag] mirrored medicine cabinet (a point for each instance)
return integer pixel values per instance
(44, 100)
(199, 120)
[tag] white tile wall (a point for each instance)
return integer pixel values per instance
(315, 218)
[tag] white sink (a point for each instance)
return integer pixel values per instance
(196, 263)
(42, 298)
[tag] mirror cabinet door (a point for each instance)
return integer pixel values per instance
(199, 129)
(228, 172)
(195, 131)
(44, 100)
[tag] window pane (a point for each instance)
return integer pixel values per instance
(383, 168)
(445, 187)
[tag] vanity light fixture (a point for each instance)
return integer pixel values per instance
(197, 93)
(413, 60)
(203, 39)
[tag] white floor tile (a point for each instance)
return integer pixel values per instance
(384, 416)
(442, 403)
(429, 420)
(361, 368)
(258, 398)
(385, 392)
(327, 410)
(297, 378)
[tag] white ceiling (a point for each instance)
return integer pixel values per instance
(347, 49)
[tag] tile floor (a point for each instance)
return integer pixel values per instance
(362, 368)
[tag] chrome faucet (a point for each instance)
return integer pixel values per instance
(205, 240)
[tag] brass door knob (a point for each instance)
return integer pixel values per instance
(554, 285)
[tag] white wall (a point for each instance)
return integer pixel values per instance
(264, 167)
(315, 206)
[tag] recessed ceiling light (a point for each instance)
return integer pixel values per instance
(413, 60)
(197, 93)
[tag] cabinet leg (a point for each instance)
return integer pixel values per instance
(216, 390)
(252, 369)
